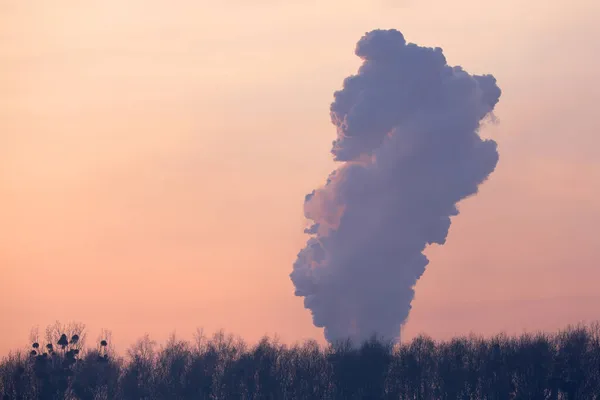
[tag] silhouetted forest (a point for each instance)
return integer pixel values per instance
(565, 365)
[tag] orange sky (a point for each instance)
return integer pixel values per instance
(154, 157)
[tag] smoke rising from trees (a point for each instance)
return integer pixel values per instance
(409, 150)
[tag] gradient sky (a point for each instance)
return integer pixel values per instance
(154, 158)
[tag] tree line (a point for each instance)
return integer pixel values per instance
(562, 365)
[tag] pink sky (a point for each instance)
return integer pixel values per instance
(154, 157)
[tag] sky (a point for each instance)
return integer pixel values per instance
(154, 158)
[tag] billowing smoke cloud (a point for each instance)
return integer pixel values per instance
(409, 146)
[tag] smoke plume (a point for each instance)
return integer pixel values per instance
(409, 147)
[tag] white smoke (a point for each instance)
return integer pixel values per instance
(407, 139)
